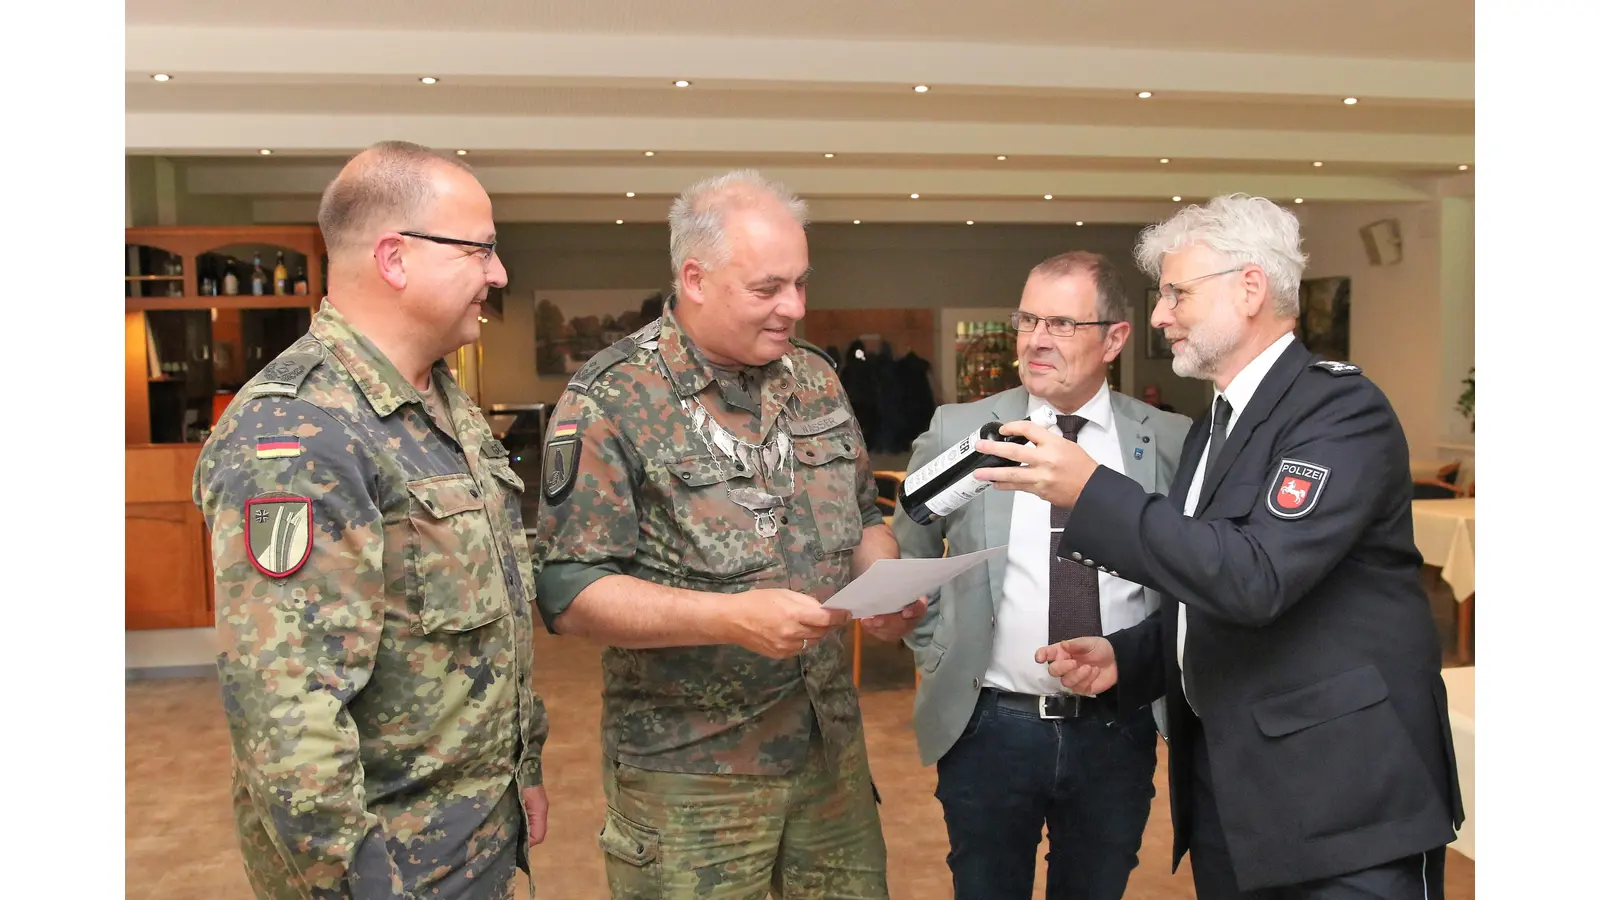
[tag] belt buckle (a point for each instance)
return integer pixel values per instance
(1044, 705)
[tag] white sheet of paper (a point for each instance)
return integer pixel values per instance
(889, 585)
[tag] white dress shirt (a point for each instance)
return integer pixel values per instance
(1022, 609)
(1239, 392)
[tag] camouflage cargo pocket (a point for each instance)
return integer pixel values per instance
(719, 541)
(829, 463)
(453, 570)
(633, 858)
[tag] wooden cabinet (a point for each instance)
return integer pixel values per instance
(168, 564)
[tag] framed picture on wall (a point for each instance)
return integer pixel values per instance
(1155, 342)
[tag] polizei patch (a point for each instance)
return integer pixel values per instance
(1295, 489)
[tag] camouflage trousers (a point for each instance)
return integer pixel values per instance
(807, 836)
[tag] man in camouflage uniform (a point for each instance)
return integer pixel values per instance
(706, 489)
(374, 588)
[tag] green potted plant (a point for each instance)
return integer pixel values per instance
(1464, 403)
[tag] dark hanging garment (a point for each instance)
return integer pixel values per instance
(856, 376)
(915, 375)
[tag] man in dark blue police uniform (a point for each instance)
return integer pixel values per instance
(1310, 748)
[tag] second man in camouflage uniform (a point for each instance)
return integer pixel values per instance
(706, 489)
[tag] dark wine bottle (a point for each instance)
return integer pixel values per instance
(946, 484)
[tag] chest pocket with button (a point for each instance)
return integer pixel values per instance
(710, 536)
(453, 570)
(828, 467)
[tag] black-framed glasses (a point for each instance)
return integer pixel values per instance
(1059, 326)
(1169, 291)
(457, 242)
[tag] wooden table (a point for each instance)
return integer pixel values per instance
(1445, 532)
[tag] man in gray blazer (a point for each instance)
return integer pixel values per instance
(1014, 751)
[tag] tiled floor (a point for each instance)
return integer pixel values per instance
(180, 840)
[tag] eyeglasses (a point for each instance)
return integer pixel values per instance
(1059, 326)
(486, 246)
(1169, 291)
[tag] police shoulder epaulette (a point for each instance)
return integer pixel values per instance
(832, 363)
(597, 365)
(1336, 368)
(284, 375)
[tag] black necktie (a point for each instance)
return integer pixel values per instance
(1222, 412)
(1074, 588)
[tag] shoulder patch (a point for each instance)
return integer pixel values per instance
(560, 464)
(597, 365)
(832, 363)
(1336, 368)
(284, 375)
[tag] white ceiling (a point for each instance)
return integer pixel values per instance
(557, 102)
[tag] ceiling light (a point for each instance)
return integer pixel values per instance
(1164, 160)
(680, 83)
(1299, 200)
(428, 79)
(630, 193)
(649, 153)
(1177, 199)
(915, 196)
(1318, 164)
(858, 222)
(1350, 101)
(921, 89)
(161, 76)
(969, 221)
(1463, 167)
(1078, 223)
(827, 156)
(266, 152)
(1049, 196)
(1000, 158)
(461, 153)
(619, 221)
(1144, 95)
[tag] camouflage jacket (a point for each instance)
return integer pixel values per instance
(635, 483)
(374, 601)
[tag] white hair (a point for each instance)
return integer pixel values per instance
(1242, 229)
(696, 219)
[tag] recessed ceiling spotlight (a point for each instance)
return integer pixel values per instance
(428, 79)
(827, 156)
(1299, 200)
(1049, 196)
(1177, 199)
(1463, 167)
(1318, 164)
(857, 222)
(1078, 223)
(921, 89)
(1144, 95)
(969, 221)
(161, 76)
(915, 196)
(680, 83)
(1000, 158)
(649, 153)
(1164, 160)
(1350, 101)
(630, 193)
(461, 153)
(265, 152)
(619, 221)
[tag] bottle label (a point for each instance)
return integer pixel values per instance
(957, 495)
(943, 461)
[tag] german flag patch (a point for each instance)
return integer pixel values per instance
(278, 446)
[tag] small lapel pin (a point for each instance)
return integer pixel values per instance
(1138, 453)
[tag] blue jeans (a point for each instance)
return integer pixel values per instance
(1012, 773)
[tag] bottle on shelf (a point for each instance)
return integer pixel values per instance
(300, 283)
(258, 277)
(230, 279)
(946, 484)
(280, 277)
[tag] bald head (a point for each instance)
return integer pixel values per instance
(388, 186)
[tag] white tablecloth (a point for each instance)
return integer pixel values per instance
(1458, 683)
(1445, 531)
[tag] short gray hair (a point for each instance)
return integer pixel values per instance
(696, 219)
(1111, 303)
(387, 185)
(1244, 230)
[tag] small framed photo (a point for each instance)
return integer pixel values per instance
(1155, 342)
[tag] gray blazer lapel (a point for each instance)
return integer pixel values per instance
(1136, 438)
(1009, 406)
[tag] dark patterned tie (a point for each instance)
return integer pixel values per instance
(1221, 413)
(1074, 588)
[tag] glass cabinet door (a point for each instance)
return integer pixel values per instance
(199, 358)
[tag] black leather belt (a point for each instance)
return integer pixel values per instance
(1049, 706)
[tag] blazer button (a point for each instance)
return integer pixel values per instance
(1077, 556)
(1089, 562)
(975, 684)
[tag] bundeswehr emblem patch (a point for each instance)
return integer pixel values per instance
(277, 533)
(1295, 489)
(561, 461)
